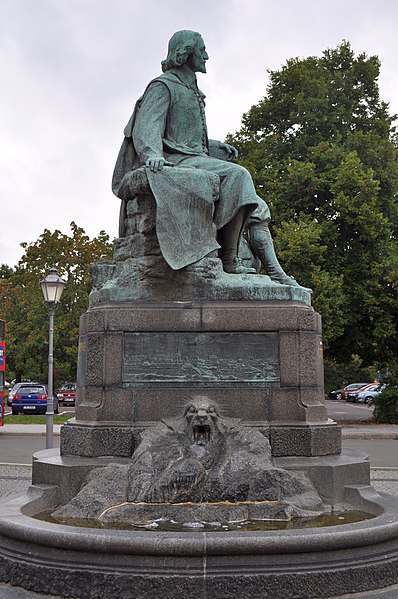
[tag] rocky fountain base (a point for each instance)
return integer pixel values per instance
(198, 467)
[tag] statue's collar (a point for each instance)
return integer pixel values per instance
(184, 74)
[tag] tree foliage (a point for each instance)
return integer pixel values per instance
(323, 153)
(338, 375)
(27, 317)
(386, 403)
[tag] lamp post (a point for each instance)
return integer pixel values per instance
(52, 287)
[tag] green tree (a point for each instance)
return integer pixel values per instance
(323, 153)
(27, 317)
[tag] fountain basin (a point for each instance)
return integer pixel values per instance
(294, 563)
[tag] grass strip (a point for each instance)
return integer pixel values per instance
(34, 419)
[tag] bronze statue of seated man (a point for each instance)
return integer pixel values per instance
(167, 134)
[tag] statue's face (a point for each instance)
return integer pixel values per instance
(201, 418)
(197, 60)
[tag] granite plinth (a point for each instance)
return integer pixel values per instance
(259, 361)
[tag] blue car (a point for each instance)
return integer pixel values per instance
(31, 398)
(368, 395)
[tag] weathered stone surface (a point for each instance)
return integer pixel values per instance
(94, 358)
(311, 363)
(134, 246)
(92, 441)
(252, 316)
(113, 359)
(305, 440)
(137, 353)
(285, 406)
(164, 316)
(289, 352)
(150, 278)
(197, 458)
(331, 475)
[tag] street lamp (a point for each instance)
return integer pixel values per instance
(52, 287)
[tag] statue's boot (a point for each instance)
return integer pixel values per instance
(229, 237)
(263, 247)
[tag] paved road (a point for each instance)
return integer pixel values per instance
(347, 411)
(18, 449)
(382, 452)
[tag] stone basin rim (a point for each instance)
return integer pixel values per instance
(380, 529)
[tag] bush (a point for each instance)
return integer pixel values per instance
(386, 403)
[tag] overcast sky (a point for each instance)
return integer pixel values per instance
(71, 71)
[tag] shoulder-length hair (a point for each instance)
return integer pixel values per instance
(180, 47)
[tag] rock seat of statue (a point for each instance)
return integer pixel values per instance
(139, 218)
(139, 270)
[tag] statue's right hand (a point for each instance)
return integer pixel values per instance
(156, 163)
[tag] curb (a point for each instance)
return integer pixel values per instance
(8, 429)
(369, 436)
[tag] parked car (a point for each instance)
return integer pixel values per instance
(32, 398)
(369, 394)
(15, 388)
(337, 394)
(67, 394)
(352, 395)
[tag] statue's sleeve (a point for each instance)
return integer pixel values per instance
(150, 122)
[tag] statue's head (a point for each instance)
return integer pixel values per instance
(202, 421)
(186, 47)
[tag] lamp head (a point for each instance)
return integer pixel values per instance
(52, 287)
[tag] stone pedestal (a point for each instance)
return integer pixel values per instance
(260, 361)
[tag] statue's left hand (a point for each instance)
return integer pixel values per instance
(156, 163)
(232, 153)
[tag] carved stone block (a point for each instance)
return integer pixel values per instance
(260, 361)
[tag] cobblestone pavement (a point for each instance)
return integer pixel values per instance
(8, 592)
(387, 593)
(14, 479)
(385, 480)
